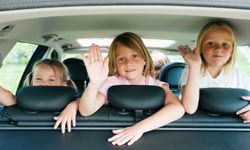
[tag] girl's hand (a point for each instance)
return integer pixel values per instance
(67, 116)
(244, 113)
(127, 135)
(191, 57)
(96, 66)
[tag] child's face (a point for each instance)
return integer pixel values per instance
(44, 75)
(217, 47)
(129, 64)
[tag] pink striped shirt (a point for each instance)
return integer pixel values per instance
(118, 80)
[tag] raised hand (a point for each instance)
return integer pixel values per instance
(191, 57)
(96, 66)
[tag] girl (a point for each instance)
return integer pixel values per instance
(159, 60)
(48, 72)
(210, 64)
(129, 63)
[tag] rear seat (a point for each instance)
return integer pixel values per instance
(172, 73)
(124, 110)
(78, 73)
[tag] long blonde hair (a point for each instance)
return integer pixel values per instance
(134, 42)
(57, 66)
(208, 28)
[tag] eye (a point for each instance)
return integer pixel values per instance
(157, 68)
(38, 79)
(121, 60)
(227, 45)
(51, 80)
(134, 56)
(210, 43)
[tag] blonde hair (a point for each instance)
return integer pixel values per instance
(134, 42)
(159, 59)
(208, 28)
(57, 66)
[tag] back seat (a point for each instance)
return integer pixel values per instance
(118, 114)
(78, 73)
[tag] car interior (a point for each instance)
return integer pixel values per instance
(64, 30)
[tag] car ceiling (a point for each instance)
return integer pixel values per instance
(180, 23)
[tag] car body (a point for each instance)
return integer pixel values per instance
(52, 29)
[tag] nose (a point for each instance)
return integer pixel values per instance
(43, 83)
(129, 62)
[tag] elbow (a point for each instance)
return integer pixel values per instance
(190, 111)
(84, 113)
(182, 111)
(10, 103)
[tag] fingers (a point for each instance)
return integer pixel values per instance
(117, 131)
(69, 125)
(246, 98)
(58, 121)
(64, 122)
(243, 110)
(115, 137)
(133, 140)
(245, 116)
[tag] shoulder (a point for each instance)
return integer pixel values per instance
(156, 82)
(113, 80)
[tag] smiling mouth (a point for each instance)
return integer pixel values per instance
(217, 56)
(131, 70)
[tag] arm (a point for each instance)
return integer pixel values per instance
(97, 69)
(6, 97)
(190, 92)
(171, 111)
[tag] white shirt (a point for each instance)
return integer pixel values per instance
(234, 79)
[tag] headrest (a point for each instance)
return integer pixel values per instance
(172, 73)
(222, 100)
(44, 98)
(136, 97)
(77, 69)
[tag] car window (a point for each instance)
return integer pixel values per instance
(14, 64)
(242, 58)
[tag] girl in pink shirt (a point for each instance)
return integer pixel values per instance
(128, 62)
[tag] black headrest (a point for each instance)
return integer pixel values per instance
(77, 69)
(136, 97)
(44, 98)
(222, 100)
(172, 73)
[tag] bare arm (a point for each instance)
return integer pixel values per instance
(6, 97)
(190, 92)
(171, 111)
(97, 69)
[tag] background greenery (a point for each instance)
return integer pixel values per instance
(14, 65)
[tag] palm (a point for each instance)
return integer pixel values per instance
(96, 66)
(191, 57)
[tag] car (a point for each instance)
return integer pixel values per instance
(35, 30)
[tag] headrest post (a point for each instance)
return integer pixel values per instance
(138, 115)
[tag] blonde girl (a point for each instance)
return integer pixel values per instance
(48, 72)
(211, 64)
(128, 63)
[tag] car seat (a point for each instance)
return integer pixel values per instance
(172, 73)
(78, 73)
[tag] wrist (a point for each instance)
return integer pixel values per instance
(94, 85)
